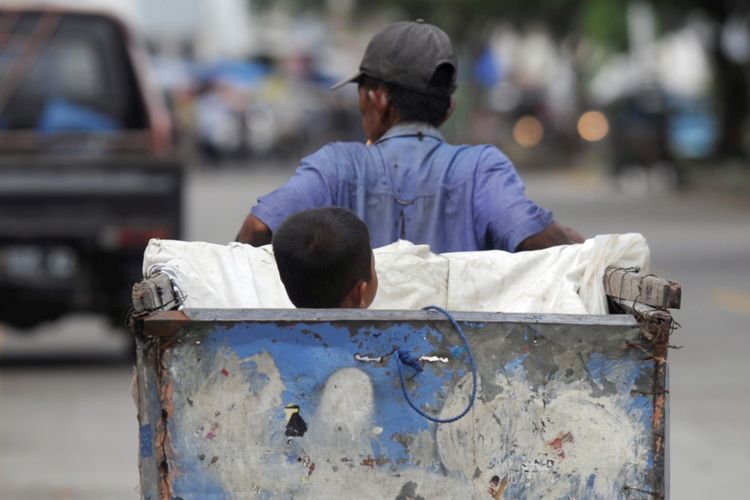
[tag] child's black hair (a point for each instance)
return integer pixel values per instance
(321, 255)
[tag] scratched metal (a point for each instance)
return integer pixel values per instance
(290, 408)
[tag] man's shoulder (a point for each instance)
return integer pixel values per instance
(352, 147)
(336, 160)
(475, 154)
(334, 152)
(486, 151)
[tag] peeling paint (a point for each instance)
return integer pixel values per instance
(433, 359)
(265, 411)
(146, 441)
(544, 461)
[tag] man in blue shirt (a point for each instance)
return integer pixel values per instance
(407, 182)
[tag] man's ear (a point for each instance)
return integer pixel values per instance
(379, 98)
(451, 108)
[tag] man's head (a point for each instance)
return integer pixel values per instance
(408, 73)
(325, 259)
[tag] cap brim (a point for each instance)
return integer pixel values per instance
(351, 79)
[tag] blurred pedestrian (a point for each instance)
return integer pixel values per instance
(406, 182)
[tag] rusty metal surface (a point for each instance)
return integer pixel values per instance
(288, 407)
(150, 422)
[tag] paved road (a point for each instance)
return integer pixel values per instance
(70, 432)
(701, 240)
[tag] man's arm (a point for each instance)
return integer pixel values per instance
(551, 236)
(307, 188)
(254, 231)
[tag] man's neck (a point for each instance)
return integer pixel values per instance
(411, 128)
(410, 124)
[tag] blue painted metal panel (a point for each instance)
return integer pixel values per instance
(314, 409)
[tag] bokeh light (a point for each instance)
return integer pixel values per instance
(593, 126)
(528, 131)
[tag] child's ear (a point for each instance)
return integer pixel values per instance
(357, 296)
(361, 294)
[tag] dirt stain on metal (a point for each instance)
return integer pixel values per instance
(372, 462)
(559, 441)
(308, 463)
(409, 492)
(497, 487)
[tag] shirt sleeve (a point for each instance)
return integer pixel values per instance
(503, 214)
(309, 187)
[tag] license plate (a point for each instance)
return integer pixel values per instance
(55, 262)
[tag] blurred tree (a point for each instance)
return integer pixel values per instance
(469, 23)
(466, 20)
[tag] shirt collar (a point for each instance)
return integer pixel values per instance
(412, 129)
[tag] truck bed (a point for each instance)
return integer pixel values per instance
(72, 230)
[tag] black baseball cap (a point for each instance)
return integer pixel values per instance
(406, 54)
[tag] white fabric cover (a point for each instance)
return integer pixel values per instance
(564, 279)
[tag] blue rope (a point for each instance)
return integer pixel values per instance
(407, 358)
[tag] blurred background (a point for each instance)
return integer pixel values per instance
(124, 120)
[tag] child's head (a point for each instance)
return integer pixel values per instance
(325, 259)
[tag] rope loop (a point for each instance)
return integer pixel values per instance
(407, 358)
